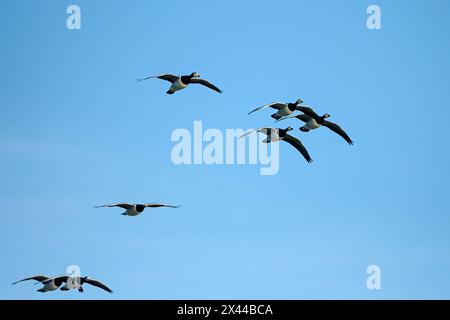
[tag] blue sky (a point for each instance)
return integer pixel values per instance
(76, 131)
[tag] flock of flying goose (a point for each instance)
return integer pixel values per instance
(285, 110)
(311, 119)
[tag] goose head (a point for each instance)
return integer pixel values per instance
(289, 129)
(326, 115)
(195, 75)
(299, 101)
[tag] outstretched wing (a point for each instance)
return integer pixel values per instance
(297, 144)
(273, 105)
(206, 83)
(121, 204)
(166, 76)
(334, 127)
(159, 205)
(264, 130)
(98, 284)
(308, 111)
(39, 278)
(301, 117)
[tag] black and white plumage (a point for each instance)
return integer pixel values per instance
(71, 282)
(313, 121)
(181, 82)
(278, 134)
(78, 282)
(284, 108)
(135, 209)
(50, 284)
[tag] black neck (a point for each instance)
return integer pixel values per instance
(321, 119)
(140, 207)
(186, 79)
(292, 106)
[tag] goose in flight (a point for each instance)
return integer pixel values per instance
(50, 284)
(181, 82)
(78, 282)
(277, 134)
(71, 282)
(284, 108)
(135, 209)
(313, 121)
